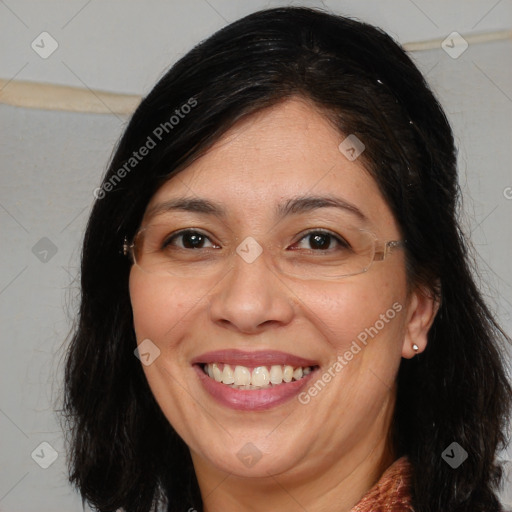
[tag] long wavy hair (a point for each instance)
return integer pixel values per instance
(123, 453)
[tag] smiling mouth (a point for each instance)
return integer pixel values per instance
(259, 377)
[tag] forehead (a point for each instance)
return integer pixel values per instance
(285, 151)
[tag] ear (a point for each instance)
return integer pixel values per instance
(421, 312)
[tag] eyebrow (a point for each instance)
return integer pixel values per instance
(293, 206)
(308, 203)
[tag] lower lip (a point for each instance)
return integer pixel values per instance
(252, 399)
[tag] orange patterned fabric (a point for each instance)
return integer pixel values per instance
(391, 493)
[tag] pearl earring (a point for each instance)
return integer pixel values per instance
(415, 347)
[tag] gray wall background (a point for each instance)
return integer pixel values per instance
(52, 161)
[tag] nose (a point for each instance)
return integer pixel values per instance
(251, 297)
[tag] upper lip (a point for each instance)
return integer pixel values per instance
(252, 359)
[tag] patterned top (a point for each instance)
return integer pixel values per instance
(391, 493)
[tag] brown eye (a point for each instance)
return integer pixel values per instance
(189, 240)
(319, 241)
(322, 240)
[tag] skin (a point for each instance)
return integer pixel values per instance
(333, 449)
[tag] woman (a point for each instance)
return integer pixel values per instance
(276, 240)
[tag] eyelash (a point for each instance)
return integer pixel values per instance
(340, 240)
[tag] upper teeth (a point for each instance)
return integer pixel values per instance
(259, 377)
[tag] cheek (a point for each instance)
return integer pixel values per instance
(343, 307)
(356, 308)
(160, 305)
(362, 321)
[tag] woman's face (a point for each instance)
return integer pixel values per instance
(242, 310)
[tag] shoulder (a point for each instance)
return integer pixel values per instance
(392, 493)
